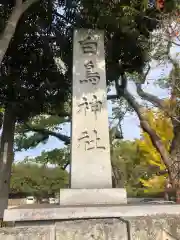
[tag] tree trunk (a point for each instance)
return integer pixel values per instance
(175, 158)
(178, 195)
(175, 147)
(166, 195)
(6, 157)
(118, 176)
(7, 34)
(115, 178)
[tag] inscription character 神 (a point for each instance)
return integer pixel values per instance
(94, 106)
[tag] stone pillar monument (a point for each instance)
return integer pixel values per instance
(90, 172)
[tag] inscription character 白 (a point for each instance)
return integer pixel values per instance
(89, 45)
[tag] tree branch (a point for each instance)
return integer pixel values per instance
(65, 166)
(61, 115)
(140, 111)
(60, 136)
(156, 141)
(62, 17)
(7, 34)
(150, 97)
(147, 96)
(157, 102)
(112, 97)
(19, 3)
(169, 45)
(174, 148)
(161, 172)
(27, 4)
(177, 44)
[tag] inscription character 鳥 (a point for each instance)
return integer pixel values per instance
(91, 76)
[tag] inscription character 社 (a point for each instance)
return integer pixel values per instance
(90, 141)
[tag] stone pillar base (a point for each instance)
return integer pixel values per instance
(78, 197)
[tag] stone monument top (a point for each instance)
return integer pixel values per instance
(90, 153)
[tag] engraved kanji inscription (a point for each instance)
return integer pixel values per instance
(94, 105)
(83, 106)
(90, 141)
(89, 45)
(91, 76)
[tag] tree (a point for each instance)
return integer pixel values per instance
(149, 155)
(26, 82)
(41, 128)
(171, 110)
(123, 157)
(10, 22)
(136, 11)
(160, 123)
(128, 25)
(8, 27)
(37, 180)
(56, 157)
(140, 47)
(128, 167)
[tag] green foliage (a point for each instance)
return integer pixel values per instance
(155, 184)
(1, 116)
(57, 157)
(32, 80)
(149, 156)
(38, 180)
(36, 177)
(133, 170)
(25, 138)
(44, 120)
(125, 159)
(24, 142)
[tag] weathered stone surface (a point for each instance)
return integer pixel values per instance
(84, 212)
(145, 228)
(145, 222)
(27, 233)
(163, 227)
(94, 229)
(75, 197)
(90, 152)
(164, 235)
(141, 228)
